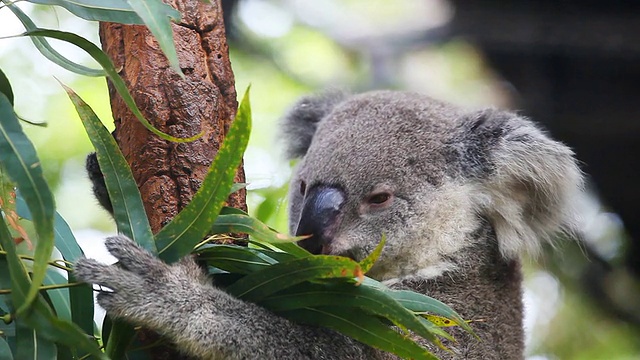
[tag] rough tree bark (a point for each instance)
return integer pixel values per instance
(168, 174)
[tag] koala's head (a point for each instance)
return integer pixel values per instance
(425, 174)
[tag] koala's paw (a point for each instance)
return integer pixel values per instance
(140, 284)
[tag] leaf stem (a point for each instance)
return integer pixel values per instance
(51, 263)
(47, 287)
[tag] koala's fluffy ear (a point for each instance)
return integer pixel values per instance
(300, 123)
(533, 185)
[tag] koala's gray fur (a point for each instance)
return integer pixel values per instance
(464, 193)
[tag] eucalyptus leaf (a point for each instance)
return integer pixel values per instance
(259, 285)
(64, 239)
(128, 209)
(81, 296)
(242, 223)
(362, 327)
(178, 237)
(368, 299)
(19, 159)
(118, 11)
(422, 303)
(40, 325)
(47, 50)
(367, 263)
(113, 75)
(29, 345)
(5, 350)
(59, 297)
(5, 87)
(292, 248)
(236, 259)
(119, 337)
(237, 187)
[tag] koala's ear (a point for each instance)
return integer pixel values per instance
(533, 184)
(300, 123)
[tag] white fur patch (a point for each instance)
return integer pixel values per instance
(448, 221)
(534, 192)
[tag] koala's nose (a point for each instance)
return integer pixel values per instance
(320, 217)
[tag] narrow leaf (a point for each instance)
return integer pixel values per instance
(63, 238)
(19, 159)
(128, 209)
(81, 297)
(118, 11)
(40, 317)
(150, 11)
(365, 298)
(362, 327)
(119, 338)
(367, 263)
(31, 346)
(421, 303)
(5, 350)
(5, 87)
(179, 237)
(292, 248)
(258, 285)
(113, 75)
(59, 297)
(235, 259)
(47, 50)
(245, 224)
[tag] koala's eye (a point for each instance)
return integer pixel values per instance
(379, 199)
(303, 187)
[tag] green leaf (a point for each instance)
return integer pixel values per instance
(19, 159)
(113, 75)
(258, 285)
(236, 187)
(368, 299)
(128, 209)
(81, 297)
(5, 350)
(119, 338)
(5, 87)
(150, 11)
(292, 248)
(367, 263)
(47, 50)
(362, 327)
(118, 11)
(31, 346)
(235, 259)
(40, 317)
(422, 303)
(188, 228)
(59, 297)
(63, 238)
(243, 223)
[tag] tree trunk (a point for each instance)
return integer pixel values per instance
(167, 173)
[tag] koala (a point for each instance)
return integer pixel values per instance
(459, 194)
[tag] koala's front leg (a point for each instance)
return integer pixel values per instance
(179, 301)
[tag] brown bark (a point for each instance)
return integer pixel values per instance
(167, 173)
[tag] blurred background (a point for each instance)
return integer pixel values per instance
(574, 66)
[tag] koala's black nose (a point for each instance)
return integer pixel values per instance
(320, 217)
